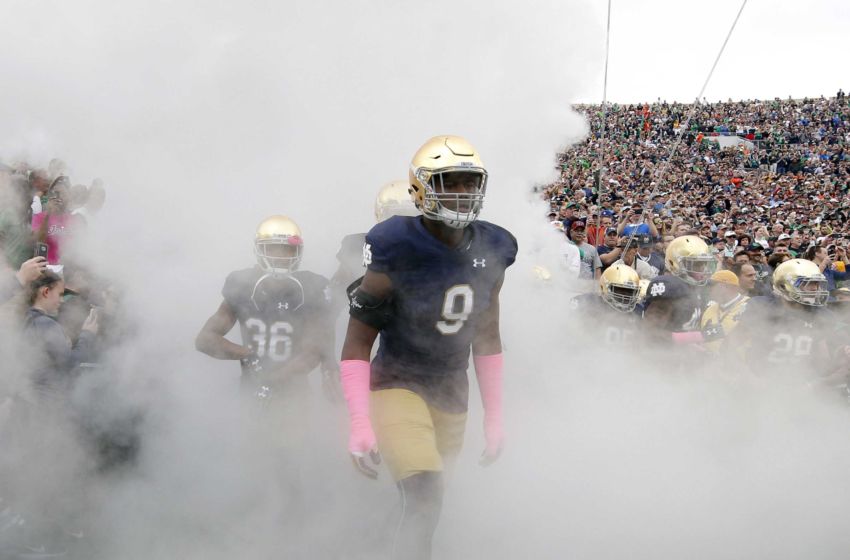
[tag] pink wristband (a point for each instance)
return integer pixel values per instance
(488, 370)
(690, 337)
(355, 375)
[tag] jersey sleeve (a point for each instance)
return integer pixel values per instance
(502, 244)
(510, 249)
(380, 247)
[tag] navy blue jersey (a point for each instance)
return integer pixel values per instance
(688, 301)
(778, 336)
(439, 294)
(280, 316)
(606, 326)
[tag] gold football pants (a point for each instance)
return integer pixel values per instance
(414, 437)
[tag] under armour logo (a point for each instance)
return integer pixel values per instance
(809, 325)
(658, 289)
(712, 331)
(264, 391)
(476, 263)
(282, 305)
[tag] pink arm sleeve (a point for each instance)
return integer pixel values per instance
(691, 337)
(489, 369)
(355, 375)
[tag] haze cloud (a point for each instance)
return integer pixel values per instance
(203, 119)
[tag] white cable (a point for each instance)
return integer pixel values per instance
(660, 174)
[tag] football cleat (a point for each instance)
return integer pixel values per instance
(278, 245)
(801, 281)
(620, 287)
(448, 181)
(394, 200)
(690, 258)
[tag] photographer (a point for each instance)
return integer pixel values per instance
(821, 257)
(56, 357)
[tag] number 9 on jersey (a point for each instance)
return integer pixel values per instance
(457, 307)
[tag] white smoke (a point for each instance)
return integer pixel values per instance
(202, 119)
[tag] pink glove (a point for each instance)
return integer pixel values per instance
(354, 375)
(488, 369)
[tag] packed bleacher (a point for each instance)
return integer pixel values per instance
(759, 181)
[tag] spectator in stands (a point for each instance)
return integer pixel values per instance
(651, 255)
(591, 266)
(759, 262)
(747, 278)
(610, 251)
(56, 356)
(55, 226)
(828, 268)
(629, 257)
(16, 241)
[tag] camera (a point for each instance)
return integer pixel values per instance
(41, 250)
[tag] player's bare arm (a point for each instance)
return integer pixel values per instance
(211, 340)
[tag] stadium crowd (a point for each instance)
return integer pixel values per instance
(59, 317)
(759, 181)
(45, 286)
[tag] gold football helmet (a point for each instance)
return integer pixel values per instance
(801, 281)
(278, 245)
(448, 181)
(690, 258)
(620, 287)
(394, 200)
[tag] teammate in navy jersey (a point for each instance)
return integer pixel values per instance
(393, 200)
(431, 290)
(678, 293)
(283, 313)
(609, 316)
(791, 331)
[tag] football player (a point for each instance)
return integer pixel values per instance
(725, 308)
(431, 291)
(393, 200)
(677, 293)
(283, 313)
(791, 329)
(611, 312)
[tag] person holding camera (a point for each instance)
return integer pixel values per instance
(821, 257)
(633, 223)
(55, 355)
